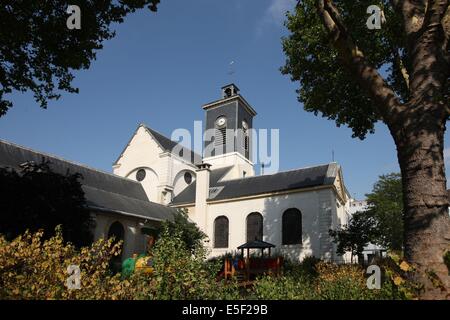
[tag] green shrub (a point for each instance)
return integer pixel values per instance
(306, 268)
(287, 287)
(184, 274)
(33, 268)
(315, 280)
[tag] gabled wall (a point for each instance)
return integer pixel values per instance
(162, 168)
(143, 152)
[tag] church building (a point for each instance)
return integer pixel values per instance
(154, 176)
(293, 210)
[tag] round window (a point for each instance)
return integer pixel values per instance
(188, 178)
(140, 175)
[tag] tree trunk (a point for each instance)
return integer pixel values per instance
(420, 142)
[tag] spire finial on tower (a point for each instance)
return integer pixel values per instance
(231, 70)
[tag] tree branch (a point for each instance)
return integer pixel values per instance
(401, 66)
(384, 97)
(435, 12)
(413, 15)
(446, 22)
(428, 49)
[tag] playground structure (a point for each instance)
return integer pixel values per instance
(247, 268)
(144, 262)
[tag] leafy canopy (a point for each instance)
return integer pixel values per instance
(385, 205)
(189, 232)
(357, 234)
(39, 53)
(35, 197)
(326, 86)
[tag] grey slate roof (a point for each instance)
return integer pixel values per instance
(282, 181)
(169, 145)
(103, 191)
(187, 196)
(166, 144)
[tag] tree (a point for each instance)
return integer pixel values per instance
(36, 198)
(385, 206)
(356, 235)
(189, 232)
(37, 50)
(340, 65)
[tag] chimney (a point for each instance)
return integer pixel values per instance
(201, 194)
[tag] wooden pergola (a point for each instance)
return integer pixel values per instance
(253, 266)
(256, 244)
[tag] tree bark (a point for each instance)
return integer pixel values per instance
(420, 143)
(417, 127)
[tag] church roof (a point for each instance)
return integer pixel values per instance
(282, 181)
(103, 191)
(169, 145)
(165, 143)
(187, 196)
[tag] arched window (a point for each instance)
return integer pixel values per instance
(117, 231)
(221, 226)
(246, 136)
(292, 226)
(254, 226)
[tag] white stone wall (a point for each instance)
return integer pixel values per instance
(234, 159)
(134, 240)
(179, 168)
(341, 219)
(162, 168)
(317, 211)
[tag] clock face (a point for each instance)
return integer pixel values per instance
(221, 121)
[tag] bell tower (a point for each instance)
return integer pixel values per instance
(228, 135)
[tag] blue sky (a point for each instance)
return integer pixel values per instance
(161, 68)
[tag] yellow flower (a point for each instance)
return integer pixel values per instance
(404, 266)
(398, 280)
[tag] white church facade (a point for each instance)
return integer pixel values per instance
(153, 177)
(292, 210)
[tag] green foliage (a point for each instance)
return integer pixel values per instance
(357, 234)
(328, 282)
(307, 268)
(398, 277)
(189, 232)
(38, 52)
(36, 198)
(386, 208)
(326, 86)
(183, 273)
(381, 223)
(34, 268)
(287, 287)
(347, 282)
